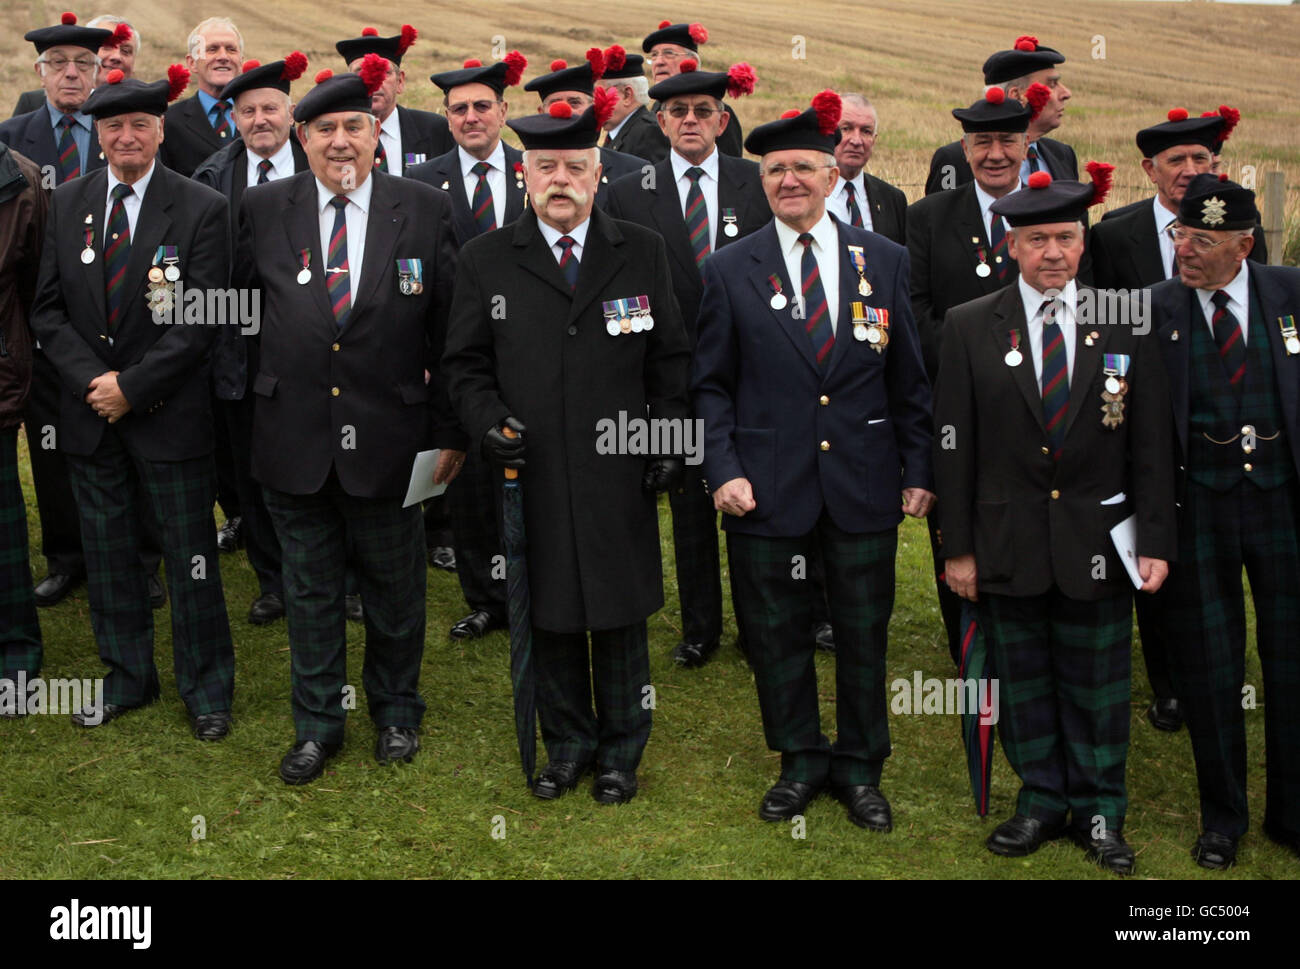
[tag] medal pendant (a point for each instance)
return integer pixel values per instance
(155, 275)
(404, 284)
(730, 230)
(864, 287)
(859, 332)
(873, 334)
(87, 256)
(417, 287)
(611, 327)
(304, 277)
(624, 325)
(637, 324)
(172, 273)
(649, 321)
(1013, 358)
(777, 302)
(1293, 345)
(1112, 385)
(983, 271)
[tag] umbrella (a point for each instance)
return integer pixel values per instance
(976, 733)
(519, 604)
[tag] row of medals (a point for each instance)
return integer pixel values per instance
(636, 322)
(873, 334)
(162, 287)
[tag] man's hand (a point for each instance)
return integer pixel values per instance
(917, 502)
(735, 497)
(106, 399)
(449, 465)
(1153, 573)
(961, 575)
(503, 451)
(662, 474)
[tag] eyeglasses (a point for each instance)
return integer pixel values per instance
(802, 170)
(1200, 244)
(668, 53)
(702, 113)
(461, 109)
(84, 64)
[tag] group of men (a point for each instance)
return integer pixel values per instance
(423, 284)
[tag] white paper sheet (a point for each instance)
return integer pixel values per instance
(1124, 535)
(422, 487)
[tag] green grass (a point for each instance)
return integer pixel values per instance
(118, 801)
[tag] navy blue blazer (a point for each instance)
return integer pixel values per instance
(767, 407)
(32, 135)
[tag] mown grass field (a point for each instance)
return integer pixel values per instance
(120, 802)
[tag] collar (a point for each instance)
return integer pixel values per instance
(859, 183)
(393, 125)
(1163, 216)
(467, 161)
(680, 165)
(578, 234)
(56, 116)
(281, 160)
(1238, 291)
(824, 234)
(138, 187)
(207, 100)
(613, 132)
(360, 195)
(1033, 299)
(985, 200)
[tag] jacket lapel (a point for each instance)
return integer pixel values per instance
(383, 226)
(848, 290)
(535, 255)
(151, 228)
(514, 192)
(1009, 315)
(767, 255)
(1087, 359)
(1175, 342)
(600, 261)
(731, 194)
(301, 220)
(93, 203)
(1146, 247)
(666, 211)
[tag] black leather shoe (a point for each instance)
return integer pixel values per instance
(230, 535)
(1215, 851)
(1019, 836)
(614, 786)
(211, 726)
(785, 799)
(396, 743)
(305, 761)
(266, 609)
(867, 807)
(1110, 851)
(558, 777)
(691, 655)
(442, 557)
(54, 588)
(90, 716)
(353, 609)
(824, 636)
(1165, 714)
(157, 591)
(478, 623)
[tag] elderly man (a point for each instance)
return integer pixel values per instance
(699, 200)
(1040, 460)
(23, 205)
(202, 125)
(667, 49)
(816, 411)
(112, 55)
(1227, 330)
(136, 415)
(354, 306)
(407, 137)
(860, 198)
(1016, 70)
(631, 128)
(591, 334)
(264, 152)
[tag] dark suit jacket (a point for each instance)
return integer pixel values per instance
(29, 101)
(642, 136)
(997, 477)
(188, 137)
(444, 173)
(423, 133)
(888, 208)
(1175, 309)
(593, 536)
(659, 208)
(314, 380)
(766, 405)
(615, 165)
(1126, 253)
(163, 369)
(31, 135)
(1060, 159)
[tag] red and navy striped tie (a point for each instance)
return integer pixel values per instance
(69, 155)
(1228, 335)
(1055, 379)
(222, 122)
(568, 261)
(818, 319)
(851, 203)
(263, 171)
(998, 238)
(116, 254)
(697, 218)
(1031, 153)
(336, 265)
(485, 215)
(381, 158)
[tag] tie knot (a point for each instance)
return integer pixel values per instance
(1048, 309)
(1031, 152)
(566, 242)
(806, 238)
(339, 201)
(848, 188)
(1219, 299)
(264, 165)
(481, 168)
(121, 191)
(222, 105)
(67, 121)
(694, 173)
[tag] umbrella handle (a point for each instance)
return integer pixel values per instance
(511, 473)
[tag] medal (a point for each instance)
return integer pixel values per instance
(729, 227)
(155, 275)
(304, 277)
(404, 285)
(873, 335)
(88, 254)
(860, 264)
(730, 230)
(871, 324)
(778, 301)
(304, 274)
(1290, 339)
(637, 324)
(644, 303)
(167, 256)
(611, 312)
(983, 271)
(1112, 385)
(1173, 337)
(1115, 367)
(611, 327)
(1014, 357)
(172, 274)
(624, 325)
(860, 323)
(410, 275)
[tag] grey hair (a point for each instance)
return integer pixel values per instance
(639, 85)
(196, 35)
(114, 19)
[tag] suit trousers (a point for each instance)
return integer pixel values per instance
(474, 503)
(774, 611)
(259, 532)
(1219, 533)
(318, 533)
(110, 486)
(1153, 628)
(20, 629)
(699, 568)
(619, 670)
(1062, 668)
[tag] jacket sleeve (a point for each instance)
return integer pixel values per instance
(713, 383)
(918, 248)
(447, 431)
(1151, 450)
(668, 356)
(469, 356)
(955, 444)
(909, 389)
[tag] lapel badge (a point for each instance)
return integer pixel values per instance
(519, 175)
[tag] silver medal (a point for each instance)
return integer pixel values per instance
(873, 334)
(172, 273)
(649, 321)
(1293, 345)
(612, 328)
(1112, 385)
(87, 255)
(983, 270)
(638, 324)
(730, 230)
(778, 300)
(859, 332)
(304, 277)
(1013, 358)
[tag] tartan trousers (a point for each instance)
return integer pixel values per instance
(474, 504)
(1219, 533)
(320, 535)
(1063, 670)
(616, 734)
(20, 630)
(774, 610)
(699, 568)
(109, 486)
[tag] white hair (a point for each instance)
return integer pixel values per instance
(195, 40)
(639, 86)
(114, 19)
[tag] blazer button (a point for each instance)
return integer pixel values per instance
(1055, 494)
(823, 400)
(1045, 450)
(334, 391)
(826, 445)
(335, 348)
(573, 331)
(1248, 467)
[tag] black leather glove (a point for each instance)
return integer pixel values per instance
(505, 452)
(661, 474)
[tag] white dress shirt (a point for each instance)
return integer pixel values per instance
(838, 203)
(1066, 316)
(826, 248)
(496, 178)
(1238, 301)
(131, 203)
(553, 235)
(1164, 219)
(281, 163)
(390, 136)
(708, 187)
(356, 214)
